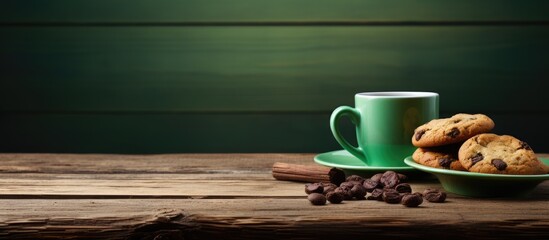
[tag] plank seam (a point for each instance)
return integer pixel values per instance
(276, 23)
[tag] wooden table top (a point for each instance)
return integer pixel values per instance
(227, 196)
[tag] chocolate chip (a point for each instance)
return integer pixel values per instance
(476, 158)
(412, 200)
(420, 133)
(524, 145)
(317, 199)
(355, 178)
(348, 185)
(314, 188)
(499, 164)
(334, 197)
(391, 196)
(445, 162)
(453, 133)
(387, 186)
(402, 177)
(389, 179)
(377, 177)
(337, 176)
(329, 187)
(377, 194)
(370, 185)
(346, 192)
(358, 192)
(433, 195)
(403, 188)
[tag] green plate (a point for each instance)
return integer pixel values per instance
(483, 184)
(351, 165)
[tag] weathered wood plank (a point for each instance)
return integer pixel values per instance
(195, 176)
(213, 200)
(147, 164)
(258, 10)
(268, 219)
(196, 164)
(98, 186)
(275, 69)
(145, 185)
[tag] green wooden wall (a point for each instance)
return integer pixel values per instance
(121, 76)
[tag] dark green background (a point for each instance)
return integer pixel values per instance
(123, 76)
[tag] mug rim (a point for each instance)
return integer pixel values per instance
(396, 94)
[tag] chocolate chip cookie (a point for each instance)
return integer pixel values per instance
(455, 129)
(439, 157)
(491, 153)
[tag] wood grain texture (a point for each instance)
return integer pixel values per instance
(54, 163)
(267, 219)
(229, 196)
(267, 10)
(147, 164)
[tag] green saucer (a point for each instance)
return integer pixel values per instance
(351, 165)
(482, 184)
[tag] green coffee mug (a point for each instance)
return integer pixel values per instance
(385, 123)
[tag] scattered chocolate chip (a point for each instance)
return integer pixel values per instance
(317, 199)
(314, 188)
(445, 162)
(377, 177)
(458, 120)
(402, 177)
(355, 178)
(476, 158)
(334, 197)
(358, 191)
(391, 196)
(377, 194)
(389, 179)
(387, 186)
(337, 176)
(433, 195)
(346, 192)
(499, 164)
(370, 185)
(348, 185)
(454, 132)
(403, 188)
(412, 200)
(524, 145)
(420, 133)
(329, 187)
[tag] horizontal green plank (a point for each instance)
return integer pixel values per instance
(296, 69)
(269, 10)
(136, 133)
(169, 133)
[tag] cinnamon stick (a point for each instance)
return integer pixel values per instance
(307, 173)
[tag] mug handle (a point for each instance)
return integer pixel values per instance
(354, 115)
